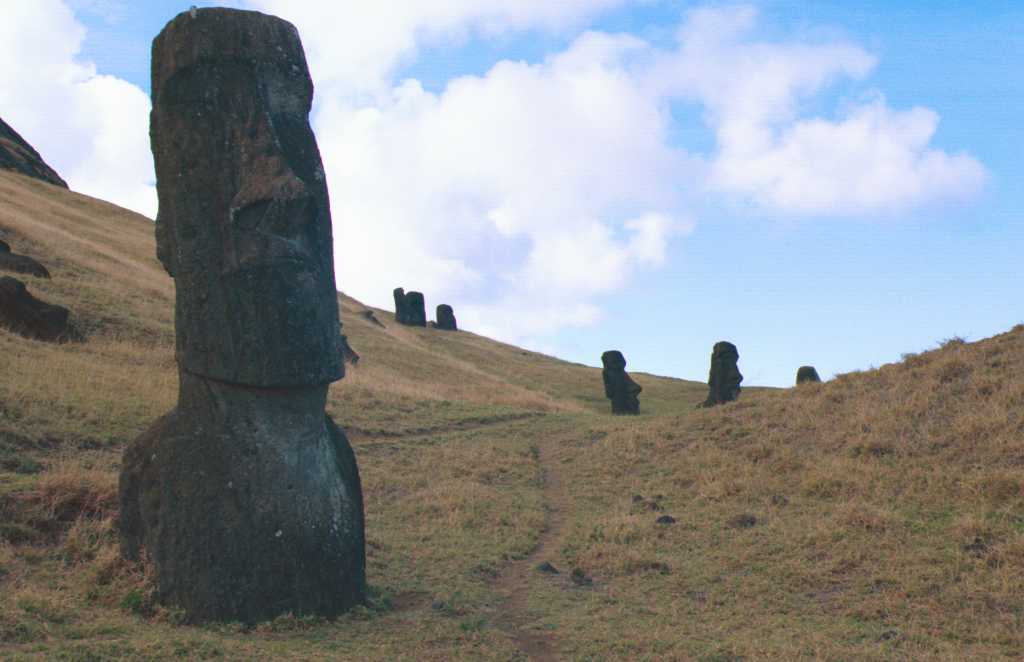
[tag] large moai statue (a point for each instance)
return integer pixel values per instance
(619, 387)
(246, 498)
(400, 305)
(415, 309)
(724, 378)
(807, 374)
(446, 318)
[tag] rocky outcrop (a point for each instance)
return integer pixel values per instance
(26, 315)
(17, 155)
(807, 373)
(619, 387)
(446, 318)
(20, 264)
(369, 316)
(724, 377)
(246, 498)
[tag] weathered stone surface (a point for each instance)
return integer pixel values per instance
(807, 373)
(26, 315)
(400, 306)
(20, 264)
(724, 378)
(17, 155)
(446, 318)
(246, 498)
(350, 355)
(618, 386)
(415, 309)
(244, 219)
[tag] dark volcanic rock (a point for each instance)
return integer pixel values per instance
(20, 264)
(807, 373)
(350, 355)
(446, 318)
(4, 247)
(246, 498)
(415, 309)
(26, 315)
(401, 316)
(17, 155)
(724, 378)
(618, 386)
(666, 519)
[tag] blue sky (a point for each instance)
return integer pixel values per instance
(828, 183)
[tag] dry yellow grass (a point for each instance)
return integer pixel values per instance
(876, 516)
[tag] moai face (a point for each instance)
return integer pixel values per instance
(618, 386)
(725, 376)
(244, 225)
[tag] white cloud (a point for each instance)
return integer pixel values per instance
(93, 130)
(525, 194)
(520, 195)
(872, 159)
(354, 46)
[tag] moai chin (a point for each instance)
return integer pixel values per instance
(724, 377)
(619, 387)
(246, 498)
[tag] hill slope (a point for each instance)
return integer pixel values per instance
(880, 515)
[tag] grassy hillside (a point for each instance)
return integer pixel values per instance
(877, 516)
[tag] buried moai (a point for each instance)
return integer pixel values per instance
(246, 497)
(446, 318)
(415, 309)
(724, 377)
(20, 264)
(618, 386)
(807, 374)
(27, 316)
(400, 304)
(410, 308)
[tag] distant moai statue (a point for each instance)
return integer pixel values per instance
(618, 386)
(415, 309)
(807, 373)
(446, 318)
(401, 316)
(246, 497)
(724, 377)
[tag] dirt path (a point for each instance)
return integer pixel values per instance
(518, 619)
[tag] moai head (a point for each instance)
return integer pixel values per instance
(244, 225)
(446, 318)
(618, 386)
(807, 373)
(415, 309)
(400, 304)
(724, 378)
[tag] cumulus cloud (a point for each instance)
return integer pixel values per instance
(354, 46)
(93, 129)
(871, 158)
(525, 194)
